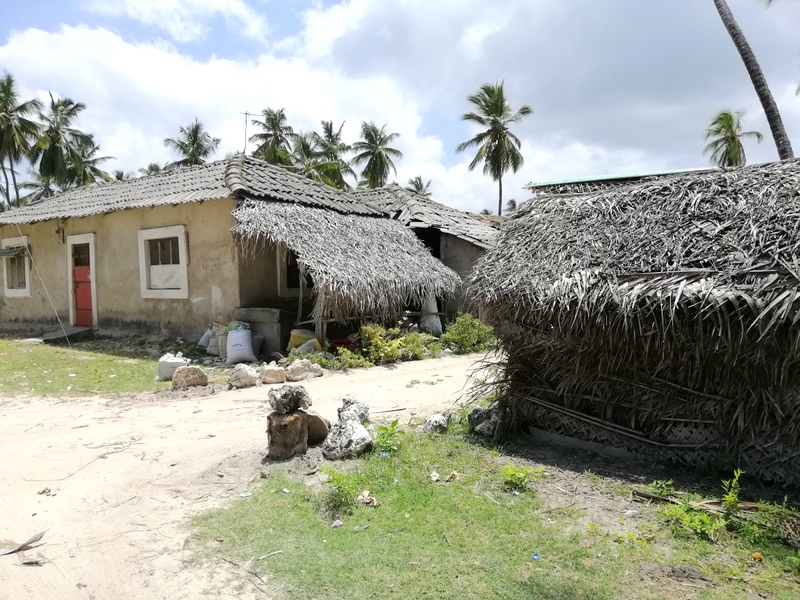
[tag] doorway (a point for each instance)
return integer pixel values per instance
(83, 296)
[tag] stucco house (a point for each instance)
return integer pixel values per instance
(176, 251)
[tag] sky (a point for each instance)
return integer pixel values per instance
(616, 86)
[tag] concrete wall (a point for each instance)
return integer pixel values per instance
(213, 271)
(460, 256)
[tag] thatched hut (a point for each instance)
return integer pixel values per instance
(661, 317)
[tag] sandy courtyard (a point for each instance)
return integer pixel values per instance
(113, 481)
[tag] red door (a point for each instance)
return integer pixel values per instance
(82, 285)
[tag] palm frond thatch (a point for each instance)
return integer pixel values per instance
(365, 267)
(661, 316)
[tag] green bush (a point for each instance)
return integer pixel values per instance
(388, 438)
(518, 478)
(416, 346)
(376, 345)
(467, 334)
(351, 360)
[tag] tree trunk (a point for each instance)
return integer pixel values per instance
(14, 180)
(5, 176)
(499, 196)
(758, 79)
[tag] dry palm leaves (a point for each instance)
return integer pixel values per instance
(661, 316)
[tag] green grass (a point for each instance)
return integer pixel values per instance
(42, 369)
(469, 538)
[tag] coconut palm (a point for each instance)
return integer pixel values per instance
(375, 153)
(498, 148)
(309, 161)
(418, 186)
(38, 187)
(152, 169)
(17, 131)
(333, 148)
(60, 146)
(275, 141)
(725, 133)
(486, 212)
(757, 77)
(511, 206)
(194, 143)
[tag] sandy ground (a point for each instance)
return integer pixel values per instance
(113, 481)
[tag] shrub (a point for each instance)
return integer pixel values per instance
(518, 478)
(467, 334)
(351, 360)
(416, 346)
(375, 346)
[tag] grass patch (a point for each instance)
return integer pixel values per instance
(44, 369)
(471, 537)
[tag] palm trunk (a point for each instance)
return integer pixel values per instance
(14, 180)
(499, 196)
(5, 176)
(758, 79)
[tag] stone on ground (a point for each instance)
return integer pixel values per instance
(484, 420)
(272, 373)
(303, 369)
(289, 398)
(242, 376)
(434, 424)
(185, 377)
(318, 428)
(349, 437)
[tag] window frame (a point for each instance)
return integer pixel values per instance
(144, 237)
(17, 242)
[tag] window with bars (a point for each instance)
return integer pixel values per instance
(163, 268)
(16, 267)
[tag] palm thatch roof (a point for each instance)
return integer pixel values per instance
(661, 316)
(590, 185)
(418, 212)
(363, 267)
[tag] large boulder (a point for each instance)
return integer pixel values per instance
(288, 434)
(189, 376)
(349, 437)
(289, 398)
(303, 369)
(273, 373)
(242, 376)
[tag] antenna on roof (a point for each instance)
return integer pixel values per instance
(247, 115)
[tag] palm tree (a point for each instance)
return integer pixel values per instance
(195, 144)
(498, 148)
(274, 142)
(310, 162)
(332, 147)
(120, 175)
(60, 146)
(757, 77)
(418, 186)
(17, 131)
(486, 212)
(152, 169)
(374, 150)
(725, 133)
(511, 206)
(87, 170)
(38, 187)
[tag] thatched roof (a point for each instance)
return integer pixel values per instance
(362, 266)
(591, 185)
(418, 212)
(221, 179)
(669, 302)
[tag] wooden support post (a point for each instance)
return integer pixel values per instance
(319, 324)
(300, 297)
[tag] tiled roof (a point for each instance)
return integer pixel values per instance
(417, 211)
(233, 177)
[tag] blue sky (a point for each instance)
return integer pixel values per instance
(617, 86)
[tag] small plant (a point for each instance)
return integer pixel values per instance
(518, 478)
(416, 346)
(351, 360)
(467, 334)
(702, 524)
(388, 438)
(730, 500)
(339, 498)
(662, 487)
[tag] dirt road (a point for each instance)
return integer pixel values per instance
(113, 481)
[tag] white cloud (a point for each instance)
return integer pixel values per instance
(185, 20)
